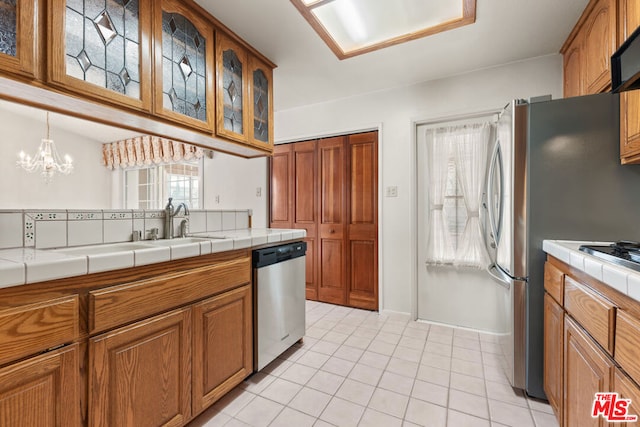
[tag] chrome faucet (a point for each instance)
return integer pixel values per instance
(169, 213)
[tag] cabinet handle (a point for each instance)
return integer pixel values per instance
(332, 231)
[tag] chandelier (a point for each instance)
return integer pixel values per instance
(46, 160)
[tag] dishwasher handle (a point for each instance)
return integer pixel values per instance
(275, 254)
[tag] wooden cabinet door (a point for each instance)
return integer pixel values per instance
(627, 389)
(102, 50)
(572, 68)
(140, 375)
(362, 222)
(305, 207)
(42, 391)
(280, 187)
(223, 345)
(587, 370)
(629, 101)
(183, 63)
(331, 227)
(232, 89)
(600, 40)
(553, 353)
(260, 104)
(17, 37)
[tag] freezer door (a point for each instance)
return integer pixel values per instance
(512, 341)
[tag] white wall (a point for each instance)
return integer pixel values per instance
(87, 187)
(397, 110)
(236, 180)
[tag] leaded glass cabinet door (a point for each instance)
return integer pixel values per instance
(17, 41)
(100, 49)
(183, 65)
(232, 71)
(261, 104)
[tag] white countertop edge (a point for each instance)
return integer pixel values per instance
(622, 279)
(19, 266)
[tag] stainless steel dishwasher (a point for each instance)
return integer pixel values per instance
(279, 284)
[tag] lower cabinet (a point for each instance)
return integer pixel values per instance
(553, 350)
(164, 370)
(627, 389)
(223, 345)
(587, 370)
(140, 375)
(41, 391)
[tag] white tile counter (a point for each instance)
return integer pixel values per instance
(624, 280)
(19, 266)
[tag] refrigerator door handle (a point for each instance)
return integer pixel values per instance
(491, 195)
(495, 273)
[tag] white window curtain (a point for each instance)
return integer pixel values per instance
(471, 150)
(467, 147)
(439, 245)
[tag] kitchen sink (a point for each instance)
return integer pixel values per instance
(177, 241)
(103, 249)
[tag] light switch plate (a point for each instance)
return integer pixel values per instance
(391, 191)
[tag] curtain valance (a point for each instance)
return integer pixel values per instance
(147, 150)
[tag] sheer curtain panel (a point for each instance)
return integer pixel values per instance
(439, 243)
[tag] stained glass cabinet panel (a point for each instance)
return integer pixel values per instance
(101, 49)
(183, 65)
(232, 97)
(17, 36)
(261, 103)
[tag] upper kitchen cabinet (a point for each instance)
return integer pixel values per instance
(232, 101)
(587, 52)
(100, 49)
(600, 42)
(17, 36)
(260, 104)
(183, 65)
(572, 69)
(629, 20)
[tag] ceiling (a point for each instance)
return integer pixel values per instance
(308, 72)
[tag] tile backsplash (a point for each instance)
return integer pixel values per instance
(59, 228)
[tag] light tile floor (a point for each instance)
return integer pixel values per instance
(360, 368)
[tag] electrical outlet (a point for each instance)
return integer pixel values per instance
(391, 191)
(217, 200)
(259, 192)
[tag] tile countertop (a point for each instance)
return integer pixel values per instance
(624, 280)
(19, 266)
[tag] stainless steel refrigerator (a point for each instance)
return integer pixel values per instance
(553, 173)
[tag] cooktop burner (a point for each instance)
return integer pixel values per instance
(624, 253)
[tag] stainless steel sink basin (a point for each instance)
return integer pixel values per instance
(103, 249)
(176, 241)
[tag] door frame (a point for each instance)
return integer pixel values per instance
(415, 123)
(344, 132)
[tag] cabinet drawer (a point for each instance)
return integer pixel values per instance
(122, 304)
(628, 344)
(554, 282)
(593, 312)
(36, 327)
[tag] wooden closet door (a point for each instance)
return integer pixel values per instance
(362, 221)
(305, 207)
(280, 193)
(331, 227)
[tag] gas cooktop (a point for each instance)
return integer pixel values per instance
(624, 253)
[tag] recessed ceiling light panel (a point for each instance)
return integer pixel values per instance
(354, 27)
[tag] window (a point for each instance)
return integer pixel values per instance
(453, 206)
(149, 188)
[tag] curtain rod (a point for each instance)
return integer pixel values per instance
(458, 117)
